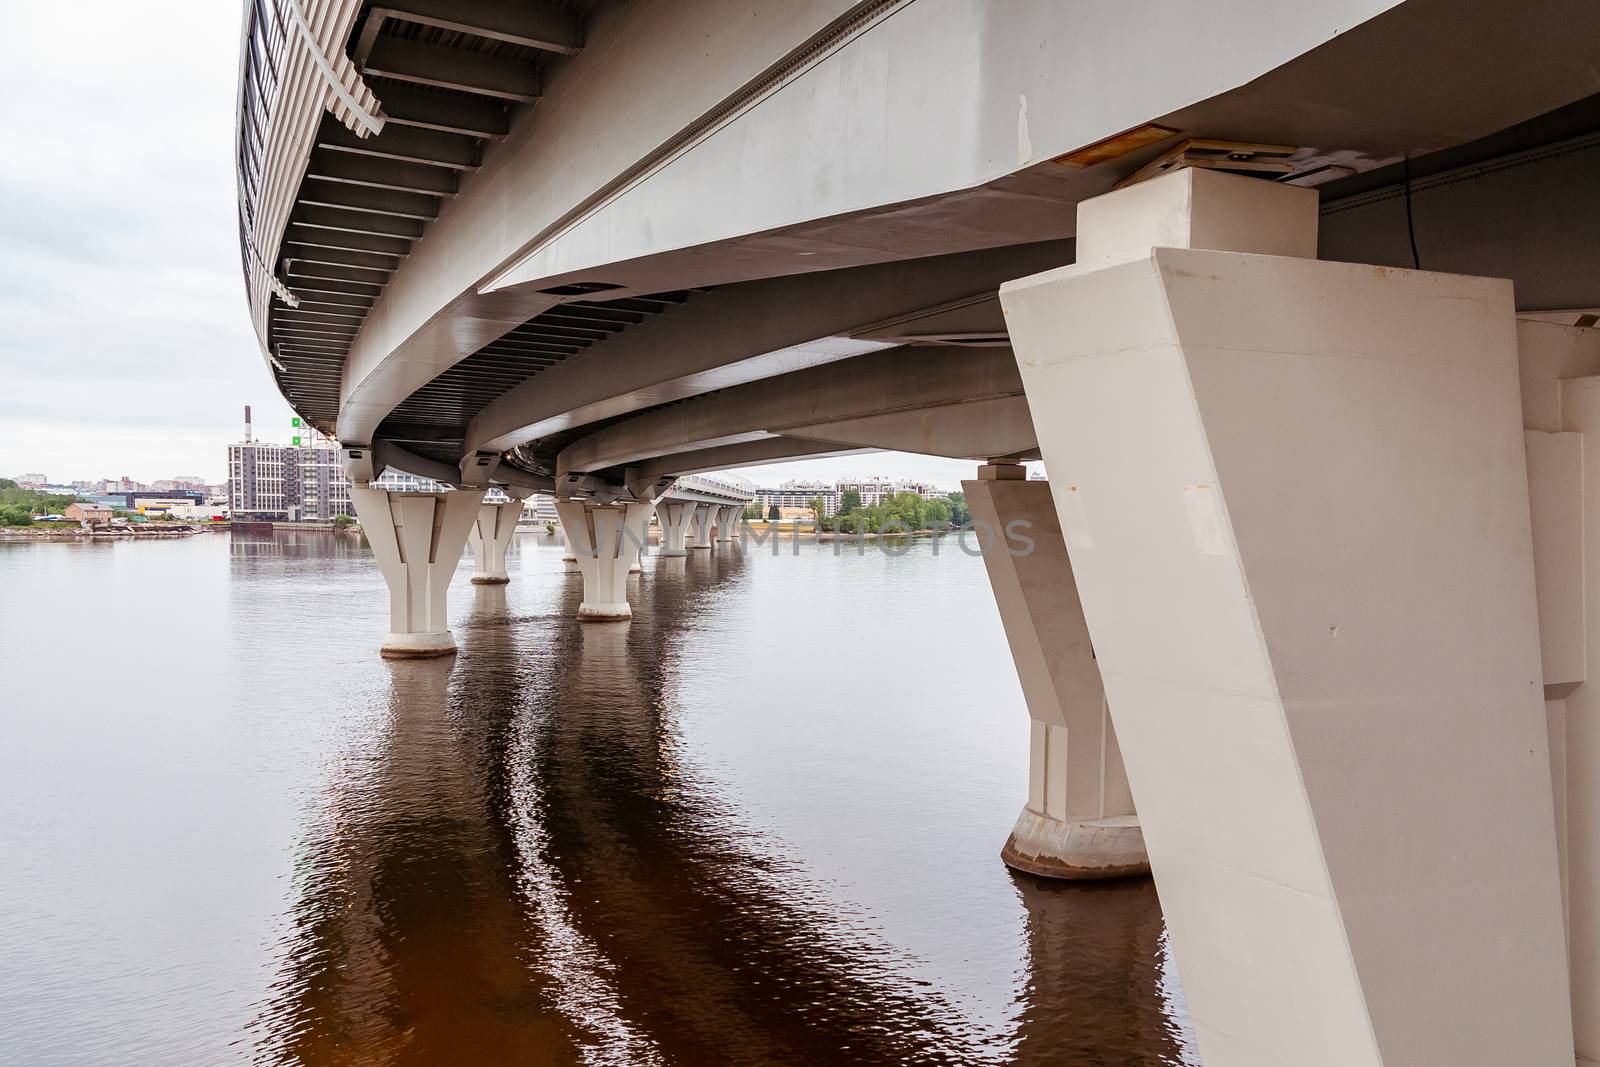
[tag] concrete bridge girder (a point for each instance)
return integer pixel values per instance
(746, 454)
(1542, 193)
(715, 500)
(977, 429)
(714, 491)
(900, 380)
(971, 429)
(747, 332)
(434, 313)
(973, 112)
(1531, 215)
(986, 181)
(385, 455)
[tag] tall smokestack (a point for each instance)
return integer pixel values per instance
(247, 424)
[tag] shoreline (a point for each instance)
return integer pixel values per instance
(28, 533)
(148, 533)
(830, 535)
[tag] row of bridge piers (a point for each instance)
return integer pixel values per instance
(1079, 821)
(418, 538)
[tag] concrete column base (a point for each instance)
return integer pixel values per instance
(418, 646)
(489, 579)
(1080, 850)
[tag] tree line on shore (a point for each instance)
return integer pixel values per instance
(18, 506)
(899, 513)
(22, 507)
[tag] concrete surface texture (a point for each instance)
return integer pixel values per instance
(1079, 821)
(417, 539)
(1296, 502)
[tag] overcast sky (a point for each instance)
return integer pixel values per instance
(125, 342)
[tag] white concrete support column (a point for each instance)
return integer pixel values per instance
(417, 538)
(675, 517)
(700, 527)
(1560, 375)
(606, 539)
(1079, 821)
(1295, 499)
(490, 536)
(728, 523)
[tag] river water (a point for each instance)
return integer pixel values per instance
(759, 823)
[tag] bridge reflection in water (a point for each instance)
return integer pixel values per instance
(530, 865)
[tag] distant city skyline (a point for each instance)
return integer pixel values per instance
(208, 462)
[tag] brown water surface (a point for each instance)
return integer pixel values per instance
(757, 824)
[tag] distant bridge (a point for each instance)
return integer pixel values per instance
(1228, 268)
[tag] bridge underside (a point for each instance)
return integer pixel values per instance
(1295, 429)
(531, 359)
(1520, 204)
(448, 301)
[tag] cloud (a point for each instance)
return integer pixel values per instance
(125, 341)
